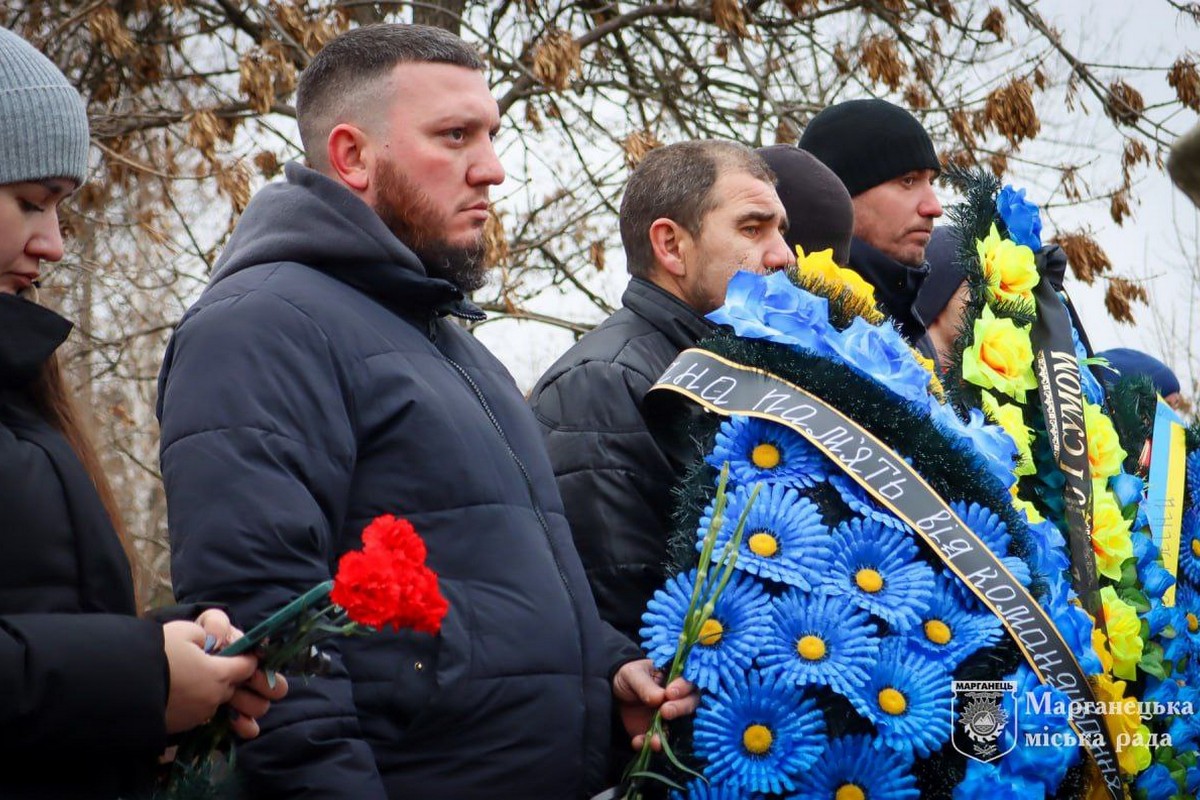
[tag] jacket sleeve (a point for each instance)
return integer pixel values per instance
(615, 482)
(258, 450)
(97, 682)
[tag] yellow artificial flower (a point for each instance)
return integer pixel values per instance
(935, 383)
(1126, 725)
(1110, 532)
(1000, 358)
(821, 265)
(1100, 645)
(1012, 419)
(1009, 267)
(1104, 448)
(1124, 633)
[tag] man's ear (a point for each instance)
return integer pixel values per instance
(670, 243)
(350, 157)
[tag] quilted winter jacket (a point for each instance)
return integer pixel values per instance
(617, 455)
(315, 385)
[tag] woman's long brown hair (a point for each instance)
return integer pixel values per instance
(50, 395)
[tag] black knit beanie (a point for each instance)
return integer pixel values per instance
(820, 214)
(869, 142)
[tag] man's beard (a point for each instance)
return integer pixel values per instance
(410, 215)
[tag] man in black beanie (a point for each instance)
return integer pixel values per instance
(887, 162)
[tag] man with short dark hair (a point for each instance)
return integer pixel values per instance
(317, 383)
(693, 214)
(888, 164)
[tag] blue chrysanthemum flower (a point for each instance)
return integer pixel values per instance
(1193, 476)
(951, 629)
(729, 640)
(1039, 707)
(758, 450)
(1189, 545)
(760, 736)
(878, 569)
(1157, 783)
(784, 539)
(985, 524)
(816, 639)
(986, 780)
(852, 767)
(700, 790)
(858, 501)
(1020, 217)
(906, 696)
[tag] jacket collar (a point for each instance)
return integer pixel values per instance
(896, 285)
(313, 220)
(674, 318)
(29, 334)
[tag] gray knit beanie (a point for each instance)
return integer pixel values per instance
(43, 120)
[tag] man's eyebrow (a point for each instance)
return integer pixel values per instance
(758, 216)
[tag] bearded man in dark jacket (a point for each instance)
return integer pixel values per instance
(693, 213)
(886, 160)
(318, 383)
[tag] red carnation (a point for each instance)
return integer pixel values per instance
(384, 584)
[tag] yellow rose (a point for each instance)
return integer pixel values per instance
(1126, 724)
(820, 265)
(1012, 419)
(1000, 358)
(1124, 633)
(1009, 267)
(1110, 532)
(1104, 448)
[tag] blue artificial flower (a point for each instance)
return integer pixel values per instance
(985, 524)
(784, 539)
(850, 763)
(760, 736)
(991, 442)
(907, 697)
(816, 639)
(1192, 781)
(1155, 580)
(1189, 545)
(877, 567)
(1076, 628)
(1157, 783)
(951, 630)
(880, 352)
(1020, 217)
(1192, 467)
(1184, 731)
(758, 450)
(1038, 707)
(1048, 555)
(986, 780)
(858, 501)
(1126, 488)
(729, 639)
(772, 307)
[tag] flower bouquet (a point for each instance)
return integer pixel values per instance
(386, 583)
(868, 648)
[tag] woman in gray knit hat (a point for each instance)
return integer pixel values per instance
(88, 691)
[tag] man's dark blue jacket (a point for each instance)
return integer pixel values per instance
(315, 385)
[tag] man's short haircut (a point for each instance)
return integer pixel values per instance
(676, 182)
(337, 85)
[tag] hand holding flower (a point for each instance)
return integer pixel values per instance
(638, 694)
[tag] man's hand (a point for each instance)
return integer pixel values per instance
(638, 694)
